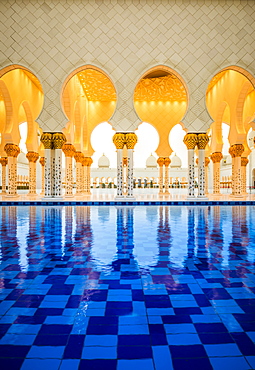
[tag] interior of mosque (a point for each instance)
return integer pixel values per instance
(161, 98)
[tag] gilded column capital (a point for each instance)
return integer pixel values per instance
(78, 156)
(58, 140)
(190, 140)
(46, 139)
(12, 150)
(42, 161)
(216, 157)
(236, 150)
(244, 161)
(202, 140)
(89, 161)
(130, 140)
(207, 161)
(161, 161)
(4, 161)
(84, 161)
(119, 140)
(167, 161)
(68, 150)
(32, 156)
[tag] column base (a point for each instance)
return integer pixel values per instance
(130, 197)
(53, 198)
(11, 196)
(216, 194)
(202, 197)
(236, 195)
(68, 196)
(191, 197)
(119, 197)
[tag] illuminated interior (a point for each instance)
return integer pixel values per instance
(160, 98)
(89, 98)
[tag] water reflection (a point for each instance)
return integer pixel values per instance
(142, 240)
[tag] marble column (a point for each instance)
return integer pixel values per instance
(32, 159)
(12, 151)
(88, 174)
(131, 140)
(85, 175)
(160, 162)
(190, 140)
(207, 161)
(46, 139)
(69, 151)
(167, 162)
(236, 152)
(216, 157)
(4, 161)
(58, 142)
(119, 142)
(202, 141)
(244, 162)
(78, 156)
(42, 163)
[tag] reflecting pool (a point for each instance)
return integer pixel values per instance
(127, 287)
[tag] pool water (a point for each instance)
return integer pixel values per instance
(127, 287)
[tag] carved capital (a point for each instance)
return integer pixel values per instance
(46, 139)
(202, 141)
(68, 150)
(236, 150)
(32, 156)
(58, 140)
(119, 140)
(42, 161)
(161, 161)
(12, 150)
(216, 157)
(89, 161)
(244, 161)
(167, 161)
(190, 140)
(78, 156)
(207, 161)
(4, 161)
(130, 140)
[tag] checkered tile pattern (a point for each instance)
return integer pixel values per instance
(127, 287)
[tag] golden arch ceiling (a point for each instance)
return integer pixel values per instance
(96, 86)
(166, 88)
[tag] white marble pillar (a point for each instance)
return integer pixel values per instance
(42, 163)
(190, 140)
(69, 151)
(119, 174)
(167, 162)
(161, 162)
(236, 151)
(78, 157)
(4, 161)
(130, 175)
(244, 162)
(202, 140)
(12, 152)
(46, 139)
(216, 157)
(88, 175)
(207, 161)
(32, 159)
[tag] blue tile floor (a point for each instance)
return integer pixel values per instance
(153, 288)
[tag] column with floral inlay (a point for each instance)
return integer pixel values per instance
(119, 142)
(12, 151)
(190, 140)
(69, 151)
(131, 140)
(4, 161)
(236, 152)
(32, 159)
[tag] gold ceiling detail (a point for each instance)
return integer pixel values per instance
(34, 80)
(167, 88)
(96, 85)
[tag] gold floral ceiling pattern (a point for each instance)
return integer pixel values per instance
(167, 88)
(96, 85)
